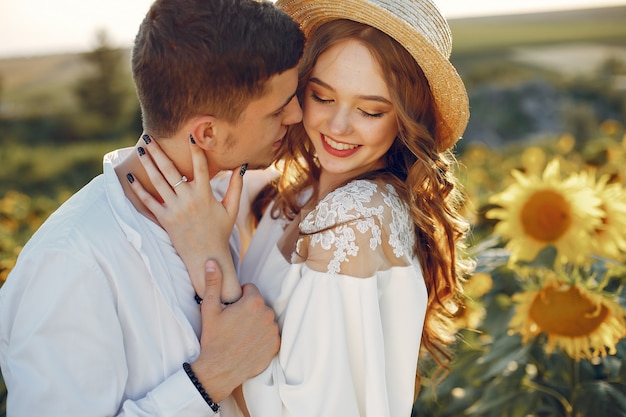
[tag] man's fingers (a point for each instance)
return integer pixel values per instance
(212, 299)
(250, 291)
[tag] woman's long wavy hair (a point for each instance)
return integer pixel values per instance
(420, 173)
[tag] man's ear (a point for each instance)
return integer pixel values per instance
(205, 132)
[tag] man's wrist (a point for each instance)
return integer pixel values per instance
(217, 381)
(194, 379)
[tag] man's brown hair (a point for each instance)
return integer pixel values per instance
(195, 57)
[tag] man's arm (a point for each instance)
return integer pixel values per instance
(250, 337)
(63, 349)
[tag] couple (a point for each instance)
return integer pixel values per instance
(355, 252)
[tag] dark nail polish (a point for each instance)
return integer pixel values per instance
(192, 140)
(243, 169)
(146, 138)
(141, 151)
(198, 299)
(130, 178)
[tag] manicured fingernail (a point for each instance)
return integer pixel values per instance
(191, 139)
(146, 138)
(141, 151)
(243, 169)
(210, 266)
(130, 178)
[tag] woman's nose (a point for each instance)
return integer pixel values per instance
(339, 122)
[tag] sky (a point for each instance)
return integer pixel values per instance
(40, 27)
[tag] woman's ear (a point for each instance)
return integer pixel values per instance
(205, 132)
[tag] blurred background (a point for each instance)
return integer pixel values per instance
(533, 69)
(547, 84)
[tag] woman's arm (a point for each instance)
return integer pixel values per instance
(198, 224)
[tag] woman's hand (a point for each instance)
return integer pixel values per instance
(198, 224)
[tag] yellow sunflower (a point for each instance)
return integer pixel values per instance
(611, 127)
(583, 322)
(472, 312)
(535, 212)
(565, 143)
(610, 236)
(533, 159)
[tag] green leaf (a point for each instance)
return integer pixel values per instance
(601, 398)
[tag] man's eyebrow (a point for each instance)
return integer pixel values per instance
(380, 99)
(285, 104)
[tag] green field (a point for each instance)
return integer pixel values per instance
(40, 84)
(603, 25)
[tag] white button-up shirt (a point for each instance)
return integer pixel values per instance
(90, 322)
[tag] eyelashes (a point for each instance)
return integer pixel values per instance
(365, 114)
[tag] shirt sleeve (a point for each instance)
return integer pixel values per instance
(352, 324)
(356, 231)
(63, 349)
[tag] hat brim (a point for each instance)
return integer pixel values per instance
(448, 90)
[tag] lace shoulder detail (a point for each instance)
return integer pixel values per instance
(357, 229)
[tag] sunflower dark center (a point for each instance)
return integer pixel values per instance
(546, 216)
(566, 312)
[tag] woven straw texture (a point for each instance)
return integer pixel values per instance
(417, 25)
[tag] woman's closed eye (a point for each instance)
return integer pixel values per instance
(319, 99)
(364, 113)
(372, 115)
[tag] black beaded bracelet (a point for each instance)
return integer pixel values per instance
(199, 300)
(194, 379)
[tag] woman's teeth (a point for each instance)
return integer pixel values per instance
(339, 146)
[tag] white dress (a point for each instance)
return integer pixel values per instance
(350, 304)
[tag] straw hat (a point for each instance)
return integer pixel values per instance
(417, 25)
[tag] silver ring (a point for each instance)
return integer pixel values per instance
(183, 179)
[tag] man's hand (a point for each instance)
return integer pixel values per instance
(237, 341)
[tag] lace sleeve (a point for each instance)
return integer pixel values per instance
(357, 230)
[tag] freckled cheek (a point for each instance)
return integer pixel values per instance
(312, 133)
(310, 124)
(382, 137)
(314, 114)
(387, 132)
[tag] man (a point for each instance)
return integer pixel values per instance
(98, 316)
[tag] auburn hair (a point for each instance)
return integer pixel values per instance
(422, 175)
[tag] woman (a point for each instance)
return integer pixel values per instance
(358, 250)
